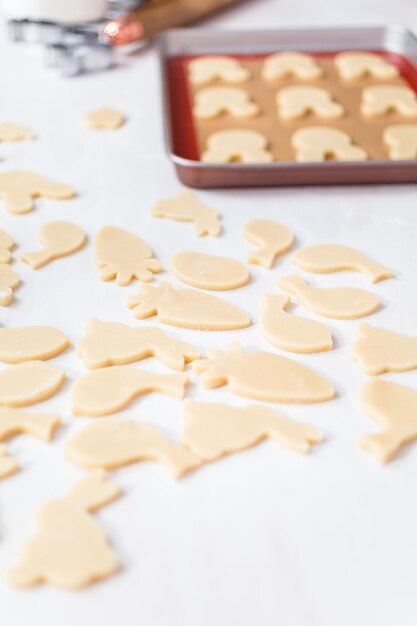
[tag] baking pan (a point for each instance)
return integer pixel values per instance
(177, 47)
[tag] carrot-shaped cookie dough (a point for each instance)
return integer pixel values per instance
(290, 332)
(113, 443)
(271, 238)
(344, 303)
(206, 271)
(9, 280)
(214, 430)
(213, 101)
(9, 131)
(106, 391)
(105, 119)
(6, 244)
(320, 143)
(187, 308)
(8, 464)
(69, 549)
(186, 207)
(124, 256)
(297, 101)
(401, 140)
(291, 65)
(31, 343)
(377, 350)
(208, 69)
(58, 239)
(28, 383)
(18, 188)
(352, 65)
(262, 376)
(328, 258)
(110, 343)
(379, 100)
(237, 145)
(394, 408)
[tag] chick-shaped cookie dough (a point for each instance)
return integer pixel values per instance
(237, 145)
(19, 188)
(272, 239)
(28, 383)
(8, 464)
(69, 549)
(208, 69)
(379, 100)
(31, 343)
(320, 143)
(211, 102)
(105, 119)
(9, 280)
(353, 65)
(378, 350)
(124, 256)
(58, 239)
(291, 65)
(186, 207)
(6, 244)
(401, 140)
(297, 101)
(262, 376)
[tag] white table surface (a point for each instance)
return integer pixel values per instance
(263, 537)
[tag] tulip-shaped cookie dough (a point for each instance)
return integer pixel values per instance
(28, 383)
(290, 332)
(401, 140)
(237, 145)
(124, 256)
(186, 207)
(337, 302)
(352, 65)
(58, 239)
(377, 350)
(207, 271)
(320, 143)
(297, 101)
(31, 343)
(107, 343)
(18, 188)
(69, 549)
(187, 308)
(379, 100)
(8, 465)
(6, 244)
(213, 101)
(113, 443)
(207, 69)
(262, 376)
(290, 64)
(271, 238)
(9, 280)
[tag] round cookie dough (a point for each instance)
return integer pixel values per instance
(207, 271)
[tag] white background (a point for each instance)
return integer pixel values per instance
(263, 537)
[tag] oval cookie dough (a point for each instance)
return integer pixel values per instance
(207, 271)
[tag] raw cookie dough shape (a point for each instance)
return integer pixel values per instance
(9, 280)
(289, 65)
(214, 430)
(28, 383)
(6, 244)
(344, 303)
(106, 391)
(186, 207)
(8, 465)
(290, 332)
(237, 145)
(113, 443)
(58, 239)
(187, 308)
(352, 65)
(262, 376)
(379, 100)
(208, 69)
(328, 258)
(69, 549)
(297, 101)
(10, 131)
(401, 140)
(39, 425)
(109, 343)
(211, 102)
(31, 343)
(377, 350)
(124, 256)
(206, 271)
(319, 143)
(105, 119)
(272, 238)
(18, 188)
(394, 408)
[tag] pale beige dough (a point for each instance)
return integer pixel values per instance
(8, 464)
(291, 65)
(106, 391)
(9, 131)
(19, 188)
(237, 145)
(208, 69)
(28, 383)
(341, 303)
(379, 100)
(187, 308)
(297, 101)
(207, 271)
(9, 280)
(105, 119)
(69, 549)
(214, 430)
(394, 408)
(262, 376)
(271, 238)
(58, 239)
(6, 244)
(186, 207)
(211, 102)
(290, 332)
(401, 140)
(109, 343)
(320, 143)
(328, 258)
(377, 350)
(113, 443)
(31, 343)
(124, 256)
(352, 65)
